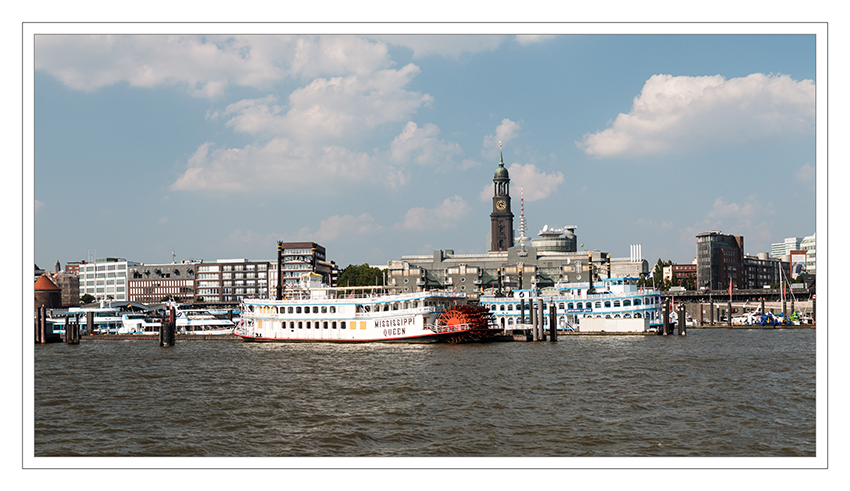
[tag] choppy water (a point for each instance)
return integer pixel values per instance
(710, 393)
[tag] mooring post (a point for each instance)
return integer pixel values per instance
(533, 313)
(729, 315)
(553, 322)
(167, 328)
(90, 322)
(665, 317)
(72, 331)
(711, 308)
(541, 314)
(39, 336)
(682, 311)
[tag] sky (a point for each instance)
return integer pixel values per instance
(378, 146)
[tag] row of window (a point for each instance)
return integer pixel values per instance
(307, 309)
(578, 305)
(315, 325)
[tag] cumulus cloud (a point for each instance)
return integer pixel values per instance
(535, 183)
(445, 216)
(338, 226)
(207, 65)
(449, 46)
(335, 108)
(806, 175)
(424, 146)
(278, 164)
(526, 39)
(680, 114)
(750, 219)
(505, 132)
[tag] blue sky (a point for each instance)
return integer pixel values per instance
(380, 146)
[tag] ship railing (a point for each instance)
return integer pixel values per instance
(449, 328)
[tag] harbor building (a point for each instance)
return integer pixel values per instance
(809, 244)
(721, 260)
(785, 247)
(512, 264)
(299, 258)
(680, 271)
(229, 280)
(151, 283)
(106, 278)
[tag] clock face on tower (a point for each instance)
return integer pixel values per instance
(501, 205)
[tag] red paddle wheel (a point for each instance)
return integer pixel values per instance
(468, 322)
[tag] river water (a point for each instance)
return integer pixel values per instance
(714, 392)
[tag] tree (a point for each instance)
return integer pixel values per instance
(87, 298)
(362, 275)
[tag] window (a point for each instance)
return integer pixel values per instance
(289, 310)
(315, 310)
(333, 325)
(342, 325)
(333, 309)
(607, 303)
(298, 310)
(627, 303)
(324, 309)
(325, 325)
(637, 301)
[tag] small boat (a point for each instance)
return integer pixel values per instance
(138, 324)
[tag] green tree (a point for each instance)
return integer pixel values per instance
(87, 298)
(362, 275)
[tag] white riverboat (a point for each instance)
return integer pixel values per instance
(610, 305)
(138, 323)
(316, 312)
(201, 322)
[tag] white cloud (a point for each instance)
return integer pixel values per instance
(535, 184)
(445, 216)
(806, 176)
(162, 220)
(277, 164)
(206, 64)
(335, 108)
(750, 219)
(680, 114)
(526, 39)
(38, 206)
(424, 144)
(505, 132)
(338, 226)
(449, 46)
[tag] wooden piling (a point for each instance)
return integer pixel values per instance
(540, 316)
(89, 323)
(681, 319)
(553, 323)
(711, 308)
(72, 330)
(533, 313)
(167, 328)
(665, 317)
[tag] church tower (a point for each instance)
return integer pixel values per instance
(501, 219)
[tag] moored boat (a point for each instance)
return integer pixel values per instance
(611, 305)
(318, 313)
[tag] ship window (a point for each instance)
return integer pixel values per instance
(308, 324)
(297, 310)
(324, 309)
(386, 307)
(637, 301)
(607, 303)
(333, 325)
(333, 310)
(616, 316)
(501, 307)
(637, 315)
(292, 324)
(315, 310)
(616, 303)
(627, 316)
(300, 326)
(598, 305)
(561, 305)
(607, 316)
(588, 305)
(510, 306)
(325, 325)
(627, 303)
(342, 325)
(289, 310)
(510, 321)
(395, 306)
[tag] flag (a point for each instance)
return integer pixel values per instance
(730, 287)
